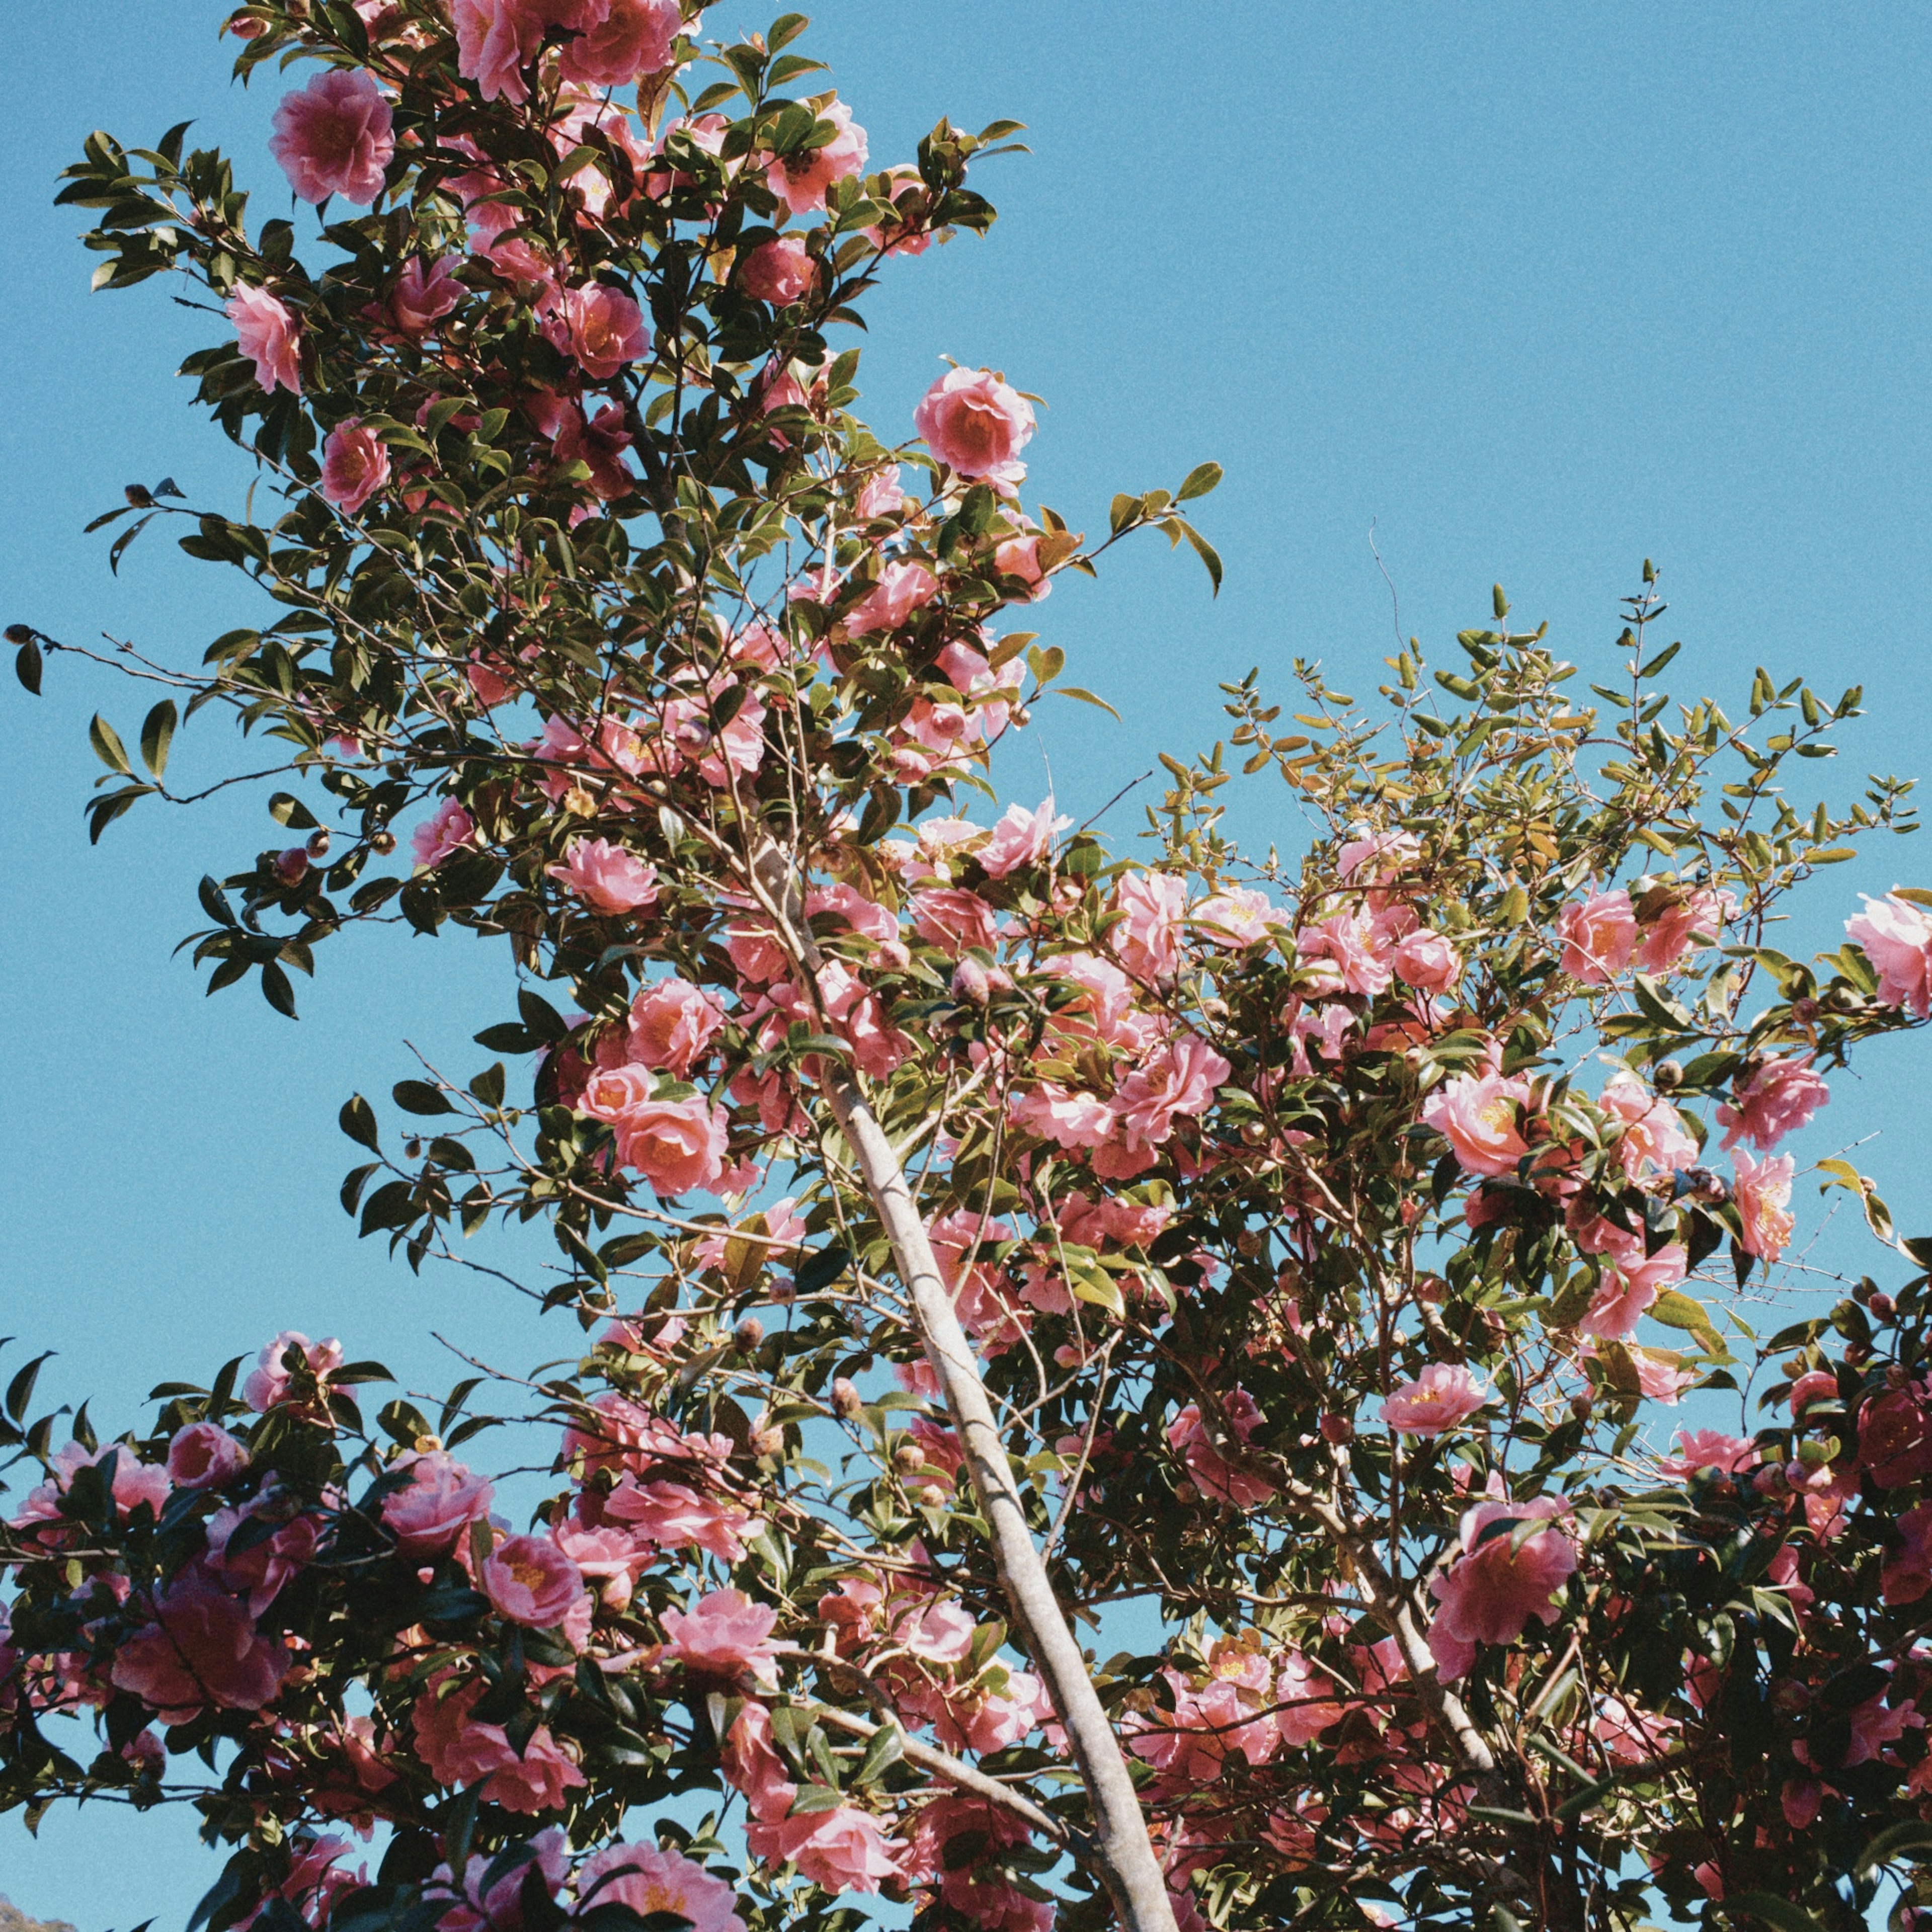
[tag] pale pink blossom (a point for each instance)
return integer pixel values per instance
(607, 877)
(266, 333)
(753, 1766)
(602, 329)
(674, 1516)
(530, 1581)
(260, 1569)
(202, 1648)
(648, 1880)
(1147, 936)
(1653, 1132)
(1762, 1193)
(673, 1024)
(355, 465)
(1347, 952)
(496, 40)
(800, 180)
(633, 39)
(1179, 1080)
(1238, 917)
(1492, 1590)
(1478, 1114)
(435, 1508)
(1699, 916)
(1377, 858)
(1426, 961)
(675, 1145)
(203, 1456)
(974, 424)
(1020, 839)
(1599, 935)
(1633, 1283)
(1019, 557)
(954, 920)
(883, 495)
(1212, 1475)
(1710, 1449)
(778, 271)
(1897, 937)
(842, 1849)
(902, 589)
(724, 1634)
(1069, 1119)
(425, 291)
(267, 1385)
(335, 136)
(445, 832)
(1443, 1396)
(1780, 1097)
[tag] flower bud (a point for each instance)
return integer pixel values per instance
(1666, 1076)
(749, 1334)
(908, 1458)
(139, 496)
(291, 866)
(845, 1401)
(317, 846)
(382, 843)
(1580, 1405)
(766, 1440)
(971, 983)
(1883, 1307)
(1336, 1429)
(20, 633)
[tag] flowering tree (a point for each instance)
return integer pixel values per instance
(970, 1228)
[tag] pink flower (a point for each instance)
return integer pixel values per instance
(975, 425)
(1634, 1282)
(602, 327)
(633, 39)
(499, 1909)
(1709, 1449)
(883, 495)
(675, 1145)
(1350, 953)
(954, 920)
(1780, 1097)
(447, 830)
(1599, 935)
(267, 1385)
(779, 271)
(1147, 936)
(537, 1781)
(598, 444)
(266, 333)
(902, 589)
(1019, 557)
(204, 1456)
(530, 1581)
(1238, 917)
(202, 1648)
(842, 1849)
(1907, 1574)
(800, 180)
(1762, 1190)
(1443, 1396)
(1653, 1133)
(670, 1515)
(1213, 1476)
(1659, 1377)
(1494, 1589)
(1894, 1444)
(1478, 1114)
(724, 1635)
(439, 1502)
(1179, 1079)
(355, 465)
(672, 1023)
(648, 1880)
(425, 291)
(607, 877)
(1668, 936)
(1897, 937)
(1379, 857)
(261, 1567)
(1426, 961)
(754, 1767)
(335, 136)
(495, 39)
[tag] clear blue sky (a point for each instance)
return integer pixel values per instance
(1538, 290)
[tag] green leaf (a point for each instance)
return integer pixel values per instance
(277, 990)
(1780, 1913)
(1097, 1285)
(1201, 478)
(27, 667)
(157, 733)
(358, 1120)
(108, 747)
(418, 1096)
(885, 1749)
(1912, 1836)
(1087, 697)
(1205, 551)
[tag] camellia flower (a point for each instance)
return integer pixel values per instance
(1212, 1475)
(203, 1456)
(607, 877)
(779, 271)
(1498, 1585)
(430, 1513)
(267, 1385)
(1599, 935)
(800, 180)
(1426, 961)
(335, 136)
(1709, 1449)
(902, 589)
(202, 1648)
(672, 1023)
(1897, 937)
(602, 329)
(446, 831)
(675, 1145)
(724, 1634)
(1653, 1132)
(1762, 1191)
(1444, 1395)
(633, 39)
(975, 424)
(530, 1581)
(267, 334)
(1147, 936)
(1780, 1097)
(1478, 1114)
(355, 465)
(425, 291)
(842, 1849)
(495, 39)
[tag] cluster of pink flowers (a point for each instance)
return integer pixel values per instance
(1603, 936)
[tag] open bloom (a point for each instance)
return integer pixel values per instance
(266, 333)
(633, 39)
(975, 424)
(1762, 1191)
(495, 39)
(607, 877)
(267, 1385)
(779, 271)
(1444, 1395)
(1780, 1097)
(202, 1648)
(800, 180)
(1490, 1592)
(675, 1145)
(723, 1634)
(355, 465)
(1599, 935)
(446, 831)
(335, 136)
(425, 291)
(842, 1849)
(672, 1025)
(601, 328)
(441, 1500)
(530, 1581)
(1897, 936)
(1653, 1133)
(1477, 1114)
(202, 1456)
(648, 1880)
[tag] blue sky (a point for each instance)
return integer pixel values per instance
(1534, 291)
